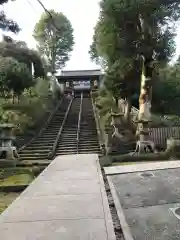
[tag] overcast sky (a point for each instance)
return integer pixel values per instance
(83, 15)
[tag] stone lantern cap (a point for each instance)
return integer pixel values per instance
(6, 126)
(143, 121)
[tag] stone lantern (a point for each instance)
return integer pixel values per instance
(95, 83)
(144, 144)
(7, 150)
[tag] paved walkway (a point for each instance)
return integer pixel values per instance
(147, 199)
(141, 167)
(67, 201)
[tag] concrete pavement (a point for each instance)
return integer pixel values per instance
(67, 201)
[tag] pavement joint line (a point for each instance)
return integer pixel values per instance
(105, 223)
(107, 214)
(63, 194)
(55, 219)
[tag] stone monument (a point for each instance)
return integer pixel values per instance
(119, 138)
(8, 152)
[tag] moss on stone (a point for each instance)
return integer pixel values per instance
(6, 199)
(16, 176)
(163, 156)
(19, 179)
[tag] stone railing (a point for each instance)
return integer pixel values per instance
(100, 130)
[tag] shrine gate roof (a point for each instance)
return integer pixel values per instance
(95, 72)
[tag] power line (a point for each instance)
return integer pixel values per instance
(31, 5)
(47, 11)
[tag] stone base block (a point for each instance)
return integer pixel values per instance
(105, 161)
(7, 163)
(145, 147)
(173, 147)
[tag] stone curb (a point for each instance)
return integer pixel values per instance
(122, 219)
(107, 213)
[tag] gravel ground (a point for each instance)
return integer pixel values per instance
(116, 222)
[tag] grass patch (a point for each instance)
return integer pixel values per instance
(12, 177)
(16, 176)
(19, 179)
(16, 170)
(6, 199)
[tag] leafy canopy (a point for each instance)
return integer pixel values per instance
(14, 76)
(7, 24)
(120, 38)
(55, 38)
(166, 97)
(20, 52)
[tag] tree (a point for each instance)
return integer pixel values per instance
(55, 38)
(14, 76)
(126, 30)
(119, 81)
(94, 50)
(19, 51)
(46, 65)
(166, 97)
(7, 24)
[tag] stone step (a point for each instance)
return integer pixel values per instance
(88, 147)
(95, 144)
(33, 157)
(66, 147)
(50, 133)
(42, 138)
(42, 145)
(38, 151)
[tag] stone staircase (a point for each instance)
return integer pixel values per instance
(88, 134)
(40, 148)
(67, 142)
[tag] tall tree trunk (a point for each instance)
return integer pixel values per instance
(127, 114)
(30, 94)
(4, 94)
(53, 59)
(13, 97)
(18, 98)
(116, 101)
(146, 91)
(147, 73)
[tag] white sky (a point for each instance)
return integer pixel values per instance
(83, 15)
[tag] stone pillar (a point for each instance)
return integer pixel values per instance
(116, 140)
(108, 139)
